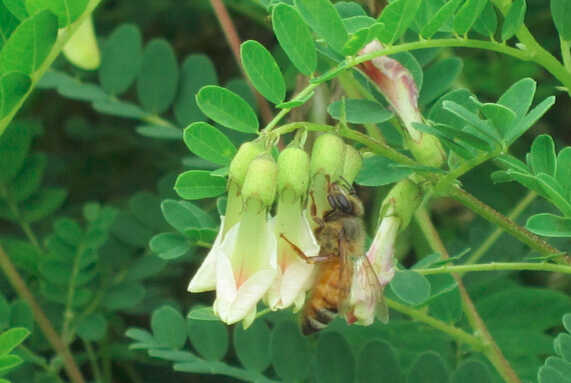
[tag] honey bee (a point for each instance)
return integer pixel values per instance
(343, 266)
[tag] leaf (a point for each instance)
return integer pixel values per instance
(169, 245)
(263, 71)
(67, 11)
(487, 22)
(370, 174)
(290, 352)
(124, 295)
(130, 230)
(121, 58)
(439, 19)
(11, 338)
(169, 327)
(542, 156)
(467, 15)
(8, 362)
(334, 361)
(206, 367)
(438, 78)
(452, 134)
(227, 108)
(119, 108)
(173, 355)
(21, 315)
(563, 171)
(209, 338)
(562, 345)
(13, 87)
(410, 286)
(42, 204)
(514, 19)
(92, 327)
(500, 117)
(360, 111)
(555, 193)
(472, 371)
(14, 146)
(207, 142)
(447, 306)
(323, 18)
(378, 363)
(552, 374)
(196, 71)
(561, 13)
(429, 367)
(30, 44)
(397, 17)
(199, 184)
(17, 8)
(157, 82)
(530, 119)
(252, 346)
(203, 313)
(470, 117)
(549, 225)
(145, 267)
(160, 132)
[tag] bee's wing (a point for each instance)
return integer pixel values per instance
(346, 273)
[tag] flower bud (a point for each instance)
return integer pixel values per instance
(328, 156)
(353, 163)
(427, 150)
(260, 181)
(402, 202)
(82, 49)
(239, 165)
(293, 175)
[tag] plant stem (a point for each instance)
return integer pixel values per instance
(495, 235)
(491, 350)
(93, 361)
(512, 266)
(43, 322)
(234, 41)
(506, 224)
(566, 54)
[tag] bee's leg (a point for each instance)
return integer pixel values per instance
(298, 251)
(313, 211)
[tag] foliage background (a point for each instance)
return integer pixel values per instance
(101, 157)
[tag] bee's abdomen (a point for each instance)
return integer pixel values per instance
(322, 305)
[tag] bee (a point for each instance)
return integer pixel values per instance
(343, 265)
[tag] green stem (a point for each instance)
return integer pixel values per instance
(491, 350)
(495, 235)
(93, 361)
(506, 224)
(457, 333)
(43, 322)
(461, 269)
(465, 167)
(68, 312)
(566, 54)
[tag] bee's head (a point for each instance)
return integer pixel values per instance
(343, 199)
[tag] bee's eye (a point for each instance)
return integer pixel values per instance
(340, 202)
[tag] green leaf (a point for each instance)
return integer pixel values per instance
(438, 78)
(295, 38)
(549, 225)
(203, 313)
(530, 119)
(360, 111)
(324, 19)
(470, 117)
(472, 371)
(144, 339)
(67, 11)
(119, 108)
(13, 87)
(227, 108)
(500, 117)
(196, 71)
(206, 367)
(42, 204)
(173, 355)
(199, 184)
(452, 134)
(160, 132)
(21, 315)
(542, 157)
(263, 71)
(209, 338)
(378, 363)
(290, 352)
(429, 367)
(169, 327)
(180, 215)
(561, 13)
(157, 83)
(397, 17)
(562, 345)
(439, 19)
(410, 286)
(207, 142)
(14, 146)
(69, 231)
(29, 44)
(334, 360)
(512, 163)
(92, 327)
(17, 8)
(169, 245)
(467, 15)
(447, 306)
(60, 294)
(130, 230)
(371, 176)
(124, 295)
(8, 362)
(121, 58)
(567, 322)
(487, 22)
(12, 338)
(252, 346)
(563, 171)
(514, 19)
(555, 193)
(554, 374)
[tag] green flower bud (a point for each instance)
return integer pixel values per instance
(428, 150)
(353, 163)
(293, 175)
(260, 182)
(239, 165)
(328, 156)
(402, 201)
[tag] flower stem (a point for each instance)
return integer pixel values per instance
(49, 332)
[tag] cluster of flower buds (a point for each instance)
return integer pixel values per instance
(249, 260)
